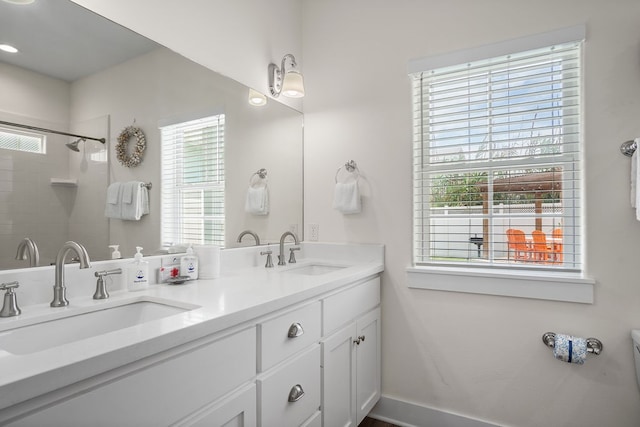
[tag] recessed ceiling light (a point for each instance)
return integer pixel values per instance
(20, 1)
(8, 48)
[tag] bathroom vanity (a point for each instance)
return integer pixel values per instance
(294, 345)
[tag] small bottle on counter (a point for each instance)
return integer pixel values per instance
(189, 264)
(138, 272)
(116, 253)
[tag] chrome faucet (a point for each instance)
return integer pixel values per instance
(281, 260)
(255, 236)
(28, 247)
(59, 289)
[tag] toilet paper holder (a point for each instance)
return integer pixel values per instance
(594, 345)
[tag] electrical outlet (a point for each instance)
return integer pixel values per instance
(293, 228)
(314, 230)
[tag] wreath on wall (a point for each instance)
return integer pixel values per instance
(135, 158)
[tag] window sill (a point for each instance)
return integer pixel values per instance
(519, 284)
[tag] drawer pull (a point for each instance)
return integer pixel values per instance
(295, 330)
(296, 393)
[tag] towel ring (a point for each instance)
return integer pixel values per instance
(260, 174)
(350, 167)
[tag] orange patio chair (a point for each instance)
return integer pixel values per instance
(540, 251)
(520, 248)
(557, 248)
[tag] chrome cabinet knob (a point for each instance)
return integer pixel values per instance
(295, 330)
(359, 340)
(296, 393)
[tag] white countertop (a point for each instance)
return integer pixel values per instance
(235, 297)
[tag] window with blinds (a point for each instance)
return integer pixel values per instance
(497, 173)
(193, 182)
(29, 142)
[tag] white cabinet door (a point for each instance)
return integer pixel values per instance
(368, 363)
(339, 378)
(351, 371)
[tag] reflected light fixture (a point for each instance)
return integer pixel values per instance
(8, 48)
(256, 98)
(19, 1)
(286, 80)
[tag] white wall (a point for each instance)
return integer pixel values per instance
(29, 205)
(236, 38)
(479, 356)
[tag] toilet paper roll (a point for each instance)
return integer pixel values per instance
(208, 261)
(570, 349)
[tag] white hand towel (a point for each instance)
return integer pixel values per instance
(113, 208)
(139, 200)
(346, 197)
(257, 202)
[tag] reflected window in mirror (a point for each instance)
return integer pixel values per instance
(29, 142)
(193, 182)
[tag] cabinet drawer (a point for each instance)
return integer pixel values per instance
(276, 343)
(274, 388)
(161, 393)
(236, 409)
(344, 307)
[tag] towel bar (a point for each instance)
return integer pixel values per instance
(594, 345)
(148, 185)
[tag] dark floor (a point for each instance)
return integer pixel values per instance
(370, 422)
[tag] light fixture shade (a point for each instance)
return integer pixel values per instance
(293, 84)
(256, 98)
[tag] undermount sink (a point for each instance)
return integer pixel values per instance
(315, 269)
(82, 324)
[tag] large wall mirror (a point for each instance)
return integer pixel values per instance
(120, 78)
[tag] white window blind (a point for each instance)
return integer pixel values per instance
(497, 161)
(193, 182)
(11, 139)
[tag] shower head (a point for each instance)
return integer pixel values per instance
(74, 145)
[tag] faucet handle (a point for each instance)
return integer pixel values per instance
(10, 305)
(268, 253)
(101, 287)
(292, 254)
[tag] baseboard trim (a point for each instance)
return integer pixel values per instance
(408, 414)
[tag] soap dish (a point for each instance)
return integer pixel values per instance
(179, 280)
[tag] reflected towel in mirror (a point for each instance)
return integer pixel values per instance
(257, 202)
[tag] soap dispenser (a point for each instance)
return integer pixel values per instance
(116, 253)
(138, 272)
(189, 264)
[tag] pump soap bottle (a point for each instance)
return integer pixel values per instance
(189, 264)
(116, 253)
(138, 272)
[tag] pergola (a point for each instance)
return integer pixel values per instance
(537, 183)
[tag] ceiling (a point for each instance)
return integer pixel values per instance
(60, 39)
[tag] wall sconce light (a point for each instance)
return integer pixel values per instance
(256, 98)
(289, 81)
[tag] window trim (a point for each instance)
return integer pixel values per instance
(491, 280)
(544, 285)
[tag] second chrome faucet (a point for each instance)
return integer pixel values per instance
(59, 288)
(281, 260)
